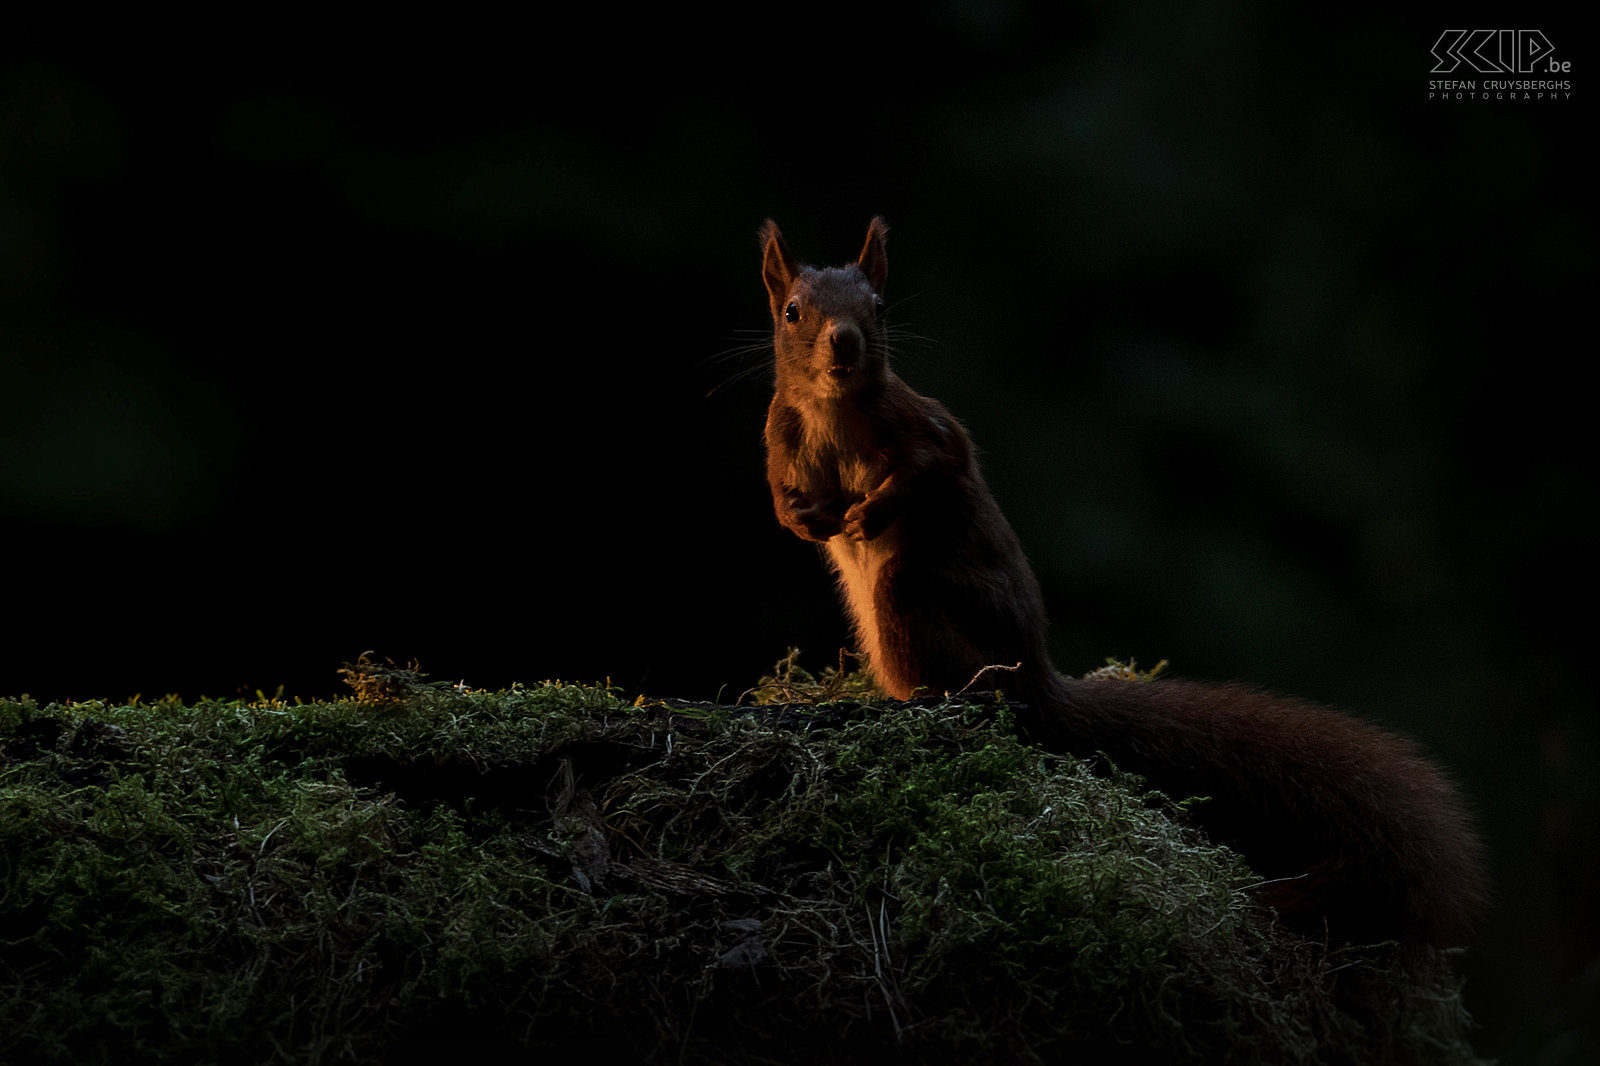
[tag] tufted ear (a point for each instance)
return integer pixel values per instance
(874, 261)
(778, 268)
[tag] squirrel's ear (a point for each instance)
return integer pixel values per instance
(778, 268)
(874, 261)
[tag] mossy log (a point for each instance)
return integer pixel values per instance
(380, 878)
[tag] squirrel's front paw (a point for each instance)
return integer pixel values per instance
(813, 521)
(862, 521)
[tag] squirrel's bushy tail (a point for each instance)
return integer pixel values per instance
(1356, 833)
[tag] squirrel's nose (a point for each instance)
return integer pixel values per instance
(846, 342)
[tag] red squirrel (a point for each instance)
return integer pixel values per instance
(1357, 834)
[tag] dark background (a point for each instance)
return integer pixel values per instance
(321, 334)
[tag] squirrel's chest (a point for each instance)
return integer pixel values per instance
(841, 477)
(828, 462)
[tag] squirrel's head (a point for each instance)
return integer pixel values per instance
(827, 323)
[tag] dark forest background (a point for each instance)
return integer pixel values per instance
(419, 333)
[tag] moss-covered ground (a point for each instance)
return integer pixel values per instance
(390, 877)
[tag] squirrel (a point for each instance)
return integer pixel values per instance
(1360, 837)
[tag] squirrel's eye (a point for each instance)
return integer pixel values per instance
(877, 306)
(791, 313)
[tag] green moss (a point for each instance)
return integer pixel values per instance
(231, 881)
